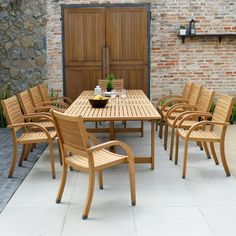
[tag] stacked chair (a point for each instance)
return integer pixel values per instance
(191, 120)
(31, 132)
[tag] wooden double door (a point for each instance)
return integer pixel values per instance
(103, 40)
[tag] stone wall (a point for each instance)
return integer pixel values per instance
(22, 43)
(202, 60)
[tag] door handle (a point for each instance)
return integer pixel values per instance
(104, 61)
(107, 60)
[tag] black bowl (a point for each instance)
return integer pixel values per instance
(98, 103)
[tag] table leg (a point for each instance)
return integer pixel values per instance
(112, 135)
(152, 144)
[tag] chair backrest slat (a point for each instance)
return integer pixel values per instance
(194, 94)
(43, 90)
(186, 90)
(12, 111)
(71, 131)
(118, 84)
(35, 96)
(26, 102)
(205, 100)
(223, 108)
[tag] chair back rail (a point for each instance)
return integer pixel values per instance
(223, 108)
(71, 132)
(186, 90)
(194, 94)
(43, 90)
(12, 111)
(205, 100)
(26, 102)
(118, 84)
(35, 96)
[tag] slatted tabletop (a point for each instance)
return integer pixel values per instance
(135, 106)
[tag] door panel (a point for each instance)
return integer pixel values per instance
(105, 40)
(84, 36)
(76, 80)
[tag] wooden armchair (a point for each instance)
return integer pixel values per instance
(177, 109)
(203, 105)
(205, 131)
(169, 100)
(118, 84)
(29, 109)
(31, 132)
(86, 157)
(45, 97)
(38, 102)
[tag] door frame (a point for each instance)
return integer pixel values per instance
(144, 5)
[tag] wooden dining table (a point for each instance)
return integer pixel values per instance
(135, 106)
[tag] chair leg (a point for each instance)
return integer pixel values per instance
(24, 150)
(89, 195)
(166, 135)
(156, 124)
(200, 145)
(176, 148)
(132, 182)
(62, 183)
(52, 160)
(142, 128)
(59, 149)
(29, 146)
(161, 129)
(172, 142)
(206, 150)
(185, 159)
(223, 158)
(213, 152)
(96, 124)
(14, 159)
(100, 179)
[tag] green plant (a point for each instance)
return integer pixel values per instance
(4, 94)
(182, 27)
(213, 105)
(233, 115)
(110, 78)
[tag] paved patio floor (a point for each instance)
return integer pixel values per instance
(202, 204)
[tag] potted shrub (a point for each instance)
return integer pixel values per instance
(182, 30)
(110, 78)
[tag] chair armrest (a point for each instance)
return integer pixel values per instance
(39, 116)
(171, 101)
(110, 144)
(167, 97)
(177, 106)
(67, 100)
(194, 114)
(30, 124)
(61, 103)
(203, 123)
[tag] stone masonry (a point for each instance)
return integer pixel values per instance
(203, 60)
(22, 43)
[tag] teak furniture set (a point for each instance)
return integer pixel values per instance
(46, 120)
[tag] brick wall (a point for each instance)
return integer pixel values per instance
(202, 60)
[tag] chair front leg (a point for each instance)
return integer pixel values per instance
(161, 128)
(172, 142)
(132, 181)
(89, 195)
(176, 148)
(213, 152)
(52, 160)
(62, 183)
(100, 179)
(185, 158)
(166, 135)
(14, 159)
(206, 150)
(223, 158)
(23, 154)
